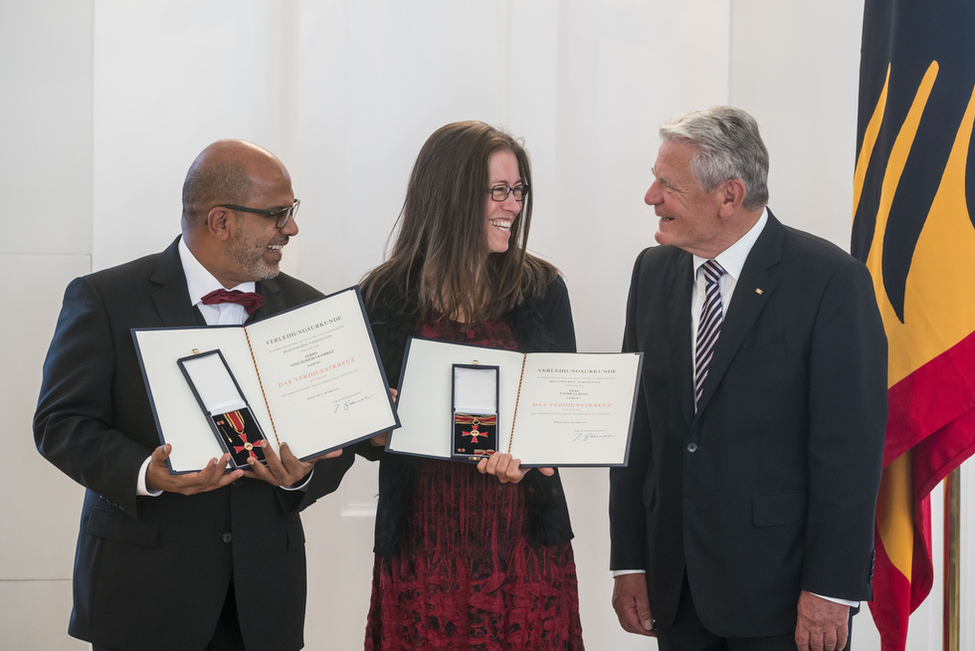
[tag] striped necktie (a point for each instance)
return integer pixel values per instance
(709, 327)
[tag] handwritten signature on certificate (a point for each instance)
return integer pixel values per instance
(348, 404)
(589, 436)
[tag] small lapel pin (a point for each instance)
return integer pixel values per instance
(758, 290)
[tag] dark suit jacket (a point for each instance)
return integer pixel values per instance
(152, 573)
(770, 488)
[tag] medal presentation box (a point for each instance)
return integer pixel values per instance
(550, 409)
(227, 412)
(475, 411)
(309, 376)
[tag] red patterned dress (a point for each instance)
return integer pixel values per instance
(465, 576)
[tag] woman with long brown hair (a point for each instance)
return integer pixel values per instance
(469, 556)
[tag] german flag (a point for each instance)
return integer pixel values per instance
(913, 228)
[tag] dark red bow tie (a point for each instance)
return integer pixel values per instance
(249, 300)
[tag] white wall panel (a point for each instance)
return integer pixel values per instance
(171, 77)
(34, 615)
(45, 126)
(805, 102)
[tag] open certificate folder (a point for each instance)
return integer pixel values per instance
(309, 376)
(547, 409)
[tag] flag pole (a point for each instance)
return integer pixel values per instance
(952, 569)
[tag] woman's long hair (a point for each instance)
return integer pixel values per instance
(440, 265)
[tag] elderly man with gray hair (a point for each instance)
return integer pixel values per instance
(744, 519)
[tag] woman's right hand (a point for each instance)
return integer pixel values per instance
(506, 468)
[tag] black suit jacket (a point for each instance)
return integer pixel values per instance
(770, 487)
(152, 573)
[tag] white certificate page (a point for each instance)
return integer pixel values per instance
(320, 374)
(576, 409)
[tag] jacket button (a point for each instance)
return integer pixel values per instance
(227, 537)
(692, 447)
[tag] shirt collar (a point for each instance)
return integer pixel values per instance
(732, 259)
(199, 281)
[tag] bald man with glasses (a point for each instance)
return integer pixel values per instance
(206, 560)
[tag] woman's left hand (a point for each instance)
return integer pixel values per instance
(506, 468)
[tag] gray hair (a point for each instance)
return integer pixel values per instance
(727, 146)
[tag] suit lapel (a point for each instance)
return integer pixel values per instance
(680, 334)
(273, 302)
(169, 294)
(752, 292)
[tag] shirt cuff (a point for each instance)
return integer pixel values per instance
(837, 600)
(617, 573)
(140, 488)
(303, 486)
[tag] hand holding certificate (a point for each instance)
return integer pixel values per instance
(309, 376)
(548, 409)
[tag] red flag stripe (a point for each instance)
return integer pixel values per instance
(930, 398)
(891, 613)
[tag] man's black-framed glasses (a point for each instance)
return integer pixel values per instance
(500, 192)
(281, 217)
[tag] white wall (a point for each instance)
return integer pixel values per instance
(104, 103)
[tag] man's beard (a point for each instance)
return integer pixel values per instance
(251, 258)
